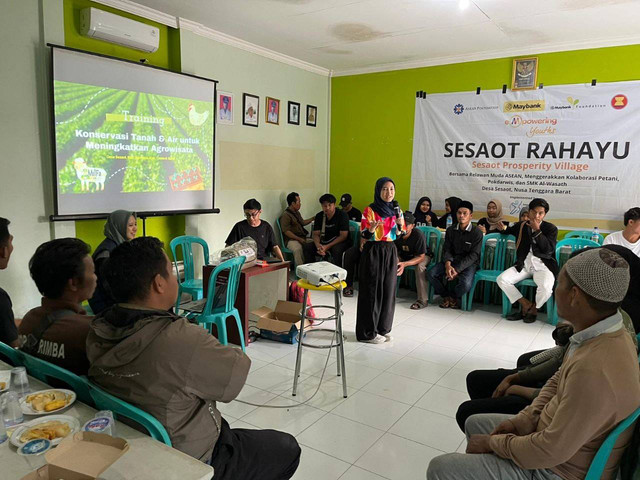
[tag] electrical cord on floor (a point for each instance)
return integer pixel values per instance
(324, 369)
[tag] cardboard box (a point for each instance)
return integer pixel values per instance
(281, 324)
(82, 456)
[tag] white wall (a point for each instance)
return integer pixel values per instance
(25, 178)
(238, 72)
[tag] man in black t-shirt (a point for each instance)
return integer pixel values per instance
(8, 328)
(413, 250)
(352, 212)
(257, 229)
(331, 231)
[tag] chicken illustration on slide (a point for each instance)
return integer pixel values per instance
(197, 119)
(89, 175)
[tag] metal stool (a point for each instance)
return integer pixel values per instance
(338, 338)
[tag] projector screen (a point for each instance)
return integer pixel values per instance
(129, 136)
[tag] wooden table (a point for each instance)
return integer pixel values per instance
(242, 300)
(147, 458)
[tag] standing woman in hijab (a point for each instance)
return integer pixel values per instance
(451, 205)
(423, 213)
(489, 224)
(378, 266)
(121, 227)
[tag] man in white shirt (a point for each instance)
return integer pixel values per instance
(535, 258)
(630, 236)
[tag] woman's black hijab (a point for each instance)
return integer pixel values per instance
(382, 208)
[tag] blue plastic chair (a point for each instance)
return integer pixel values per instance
(218, 316)
(354, 232)
(497, 267)
(45, 371)
(574, 243)
(120, 408)
(190, 284)
(10, 355)
(584, 234)
(428, 232)
(602, 455)
(286, 252)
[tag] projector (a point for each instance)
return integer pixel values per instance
(321, 273)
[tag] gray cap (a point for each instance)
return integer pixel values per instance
(600, 273)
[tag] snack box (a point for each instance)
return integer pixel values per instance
(281, 324)
(82, 456)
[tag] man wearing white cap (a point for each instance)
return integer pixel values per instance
(595, 389)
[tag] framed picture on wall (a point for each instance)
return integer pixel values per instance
(312, 115)
(525, 73)
(273, 110)
(294, 113)
(250, 109)
(225, 108)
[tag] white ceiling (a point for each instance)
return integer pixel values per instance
(352, 36)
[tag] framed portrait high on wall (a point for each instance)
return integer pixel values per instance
(312, 115)
(273, 110)
(225, 108)
(294, 113)
(250, 109)
(525, 73)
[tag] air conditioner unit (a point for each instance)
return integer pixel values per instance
(112, 28)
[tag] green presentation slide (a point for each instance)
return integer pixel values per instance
(112, 142)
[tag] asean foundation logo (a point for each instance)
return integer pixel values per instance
(619, 101)
(458, 109)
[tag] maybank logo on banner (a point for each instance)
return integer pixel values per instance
(524, 106)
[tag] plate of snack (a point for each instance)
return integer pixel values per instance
(53, 428)
(46, 402)
(5, 378)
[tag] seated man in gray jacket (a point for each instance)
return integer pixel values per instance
(176, 371)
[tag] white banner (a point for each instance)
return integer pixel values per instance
(574, 145)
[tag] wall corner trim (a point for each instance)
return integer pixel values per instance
(199, 29)
(142, 11)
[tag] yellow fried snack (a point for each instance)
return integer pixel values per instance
(3, 385)
(49, 430)
(55, 405)
(44, 401)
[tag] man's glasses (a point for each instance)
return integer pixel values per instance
(252, 215)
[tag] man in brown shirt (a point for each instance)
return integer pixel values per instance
(595, 389)
(57, 330)
(294, 234)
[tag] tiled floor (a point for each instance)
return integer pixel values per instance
(402, 395)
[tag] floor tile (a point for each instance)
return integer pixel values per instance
(241, 424)
(497, 350)
(412, 332)
(292, 420)
(442, 400)
(429, 428)
(398, 458)
(329, 396)
(315, 465)
(339, 437)
(372, 410)
(451, 340)
(357, 473)
(312, 363)
(399, 345)
(472, 362)
(419, 369)
(268, 350)
(435, 354)
(456, 378)
(396, 387)
(273, 378)
(373, 357)
(358, 375)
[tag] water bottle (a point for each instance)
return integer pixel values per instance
(449, 221)
(3, 430)
(102, 422)
(11, 412)
(595, 236)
